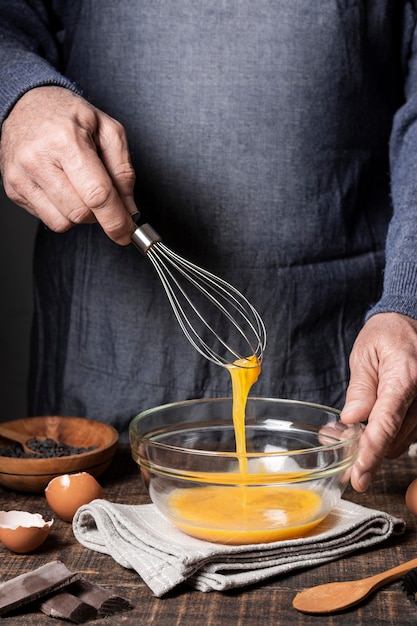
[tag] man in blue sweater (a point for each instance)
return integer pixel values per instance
(259, 134)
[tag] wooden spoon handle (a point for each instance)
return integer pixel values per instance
(14, 435)
(392, 574)
(335, 596)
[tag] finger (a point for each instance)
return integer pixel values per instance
(88, 175)
(67, 202)
(36, 182)
(407, 434)
(114, 152)
(51, 198)
(361, 393)
(39, 205)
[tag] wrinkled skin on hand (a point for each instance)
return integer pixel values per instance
(68, 163)
(382, 390)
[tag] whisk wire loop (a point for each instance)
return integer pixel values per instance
(174, 271)
(189, 331)
(203, 279)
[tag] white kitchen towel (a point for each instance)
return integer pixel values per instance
(140, 538)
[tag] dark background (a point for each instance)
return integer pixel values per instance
(17, 231)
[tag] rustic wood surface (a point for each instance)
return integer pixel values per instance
(269, 604)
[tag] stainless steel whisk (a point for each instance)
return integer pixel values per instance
(177, 275)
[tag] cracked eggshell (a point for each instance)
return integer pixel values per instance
(23, 532)
(66, 493)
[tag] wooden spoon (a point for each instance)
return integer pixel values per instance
(21, 438)
(336, 596)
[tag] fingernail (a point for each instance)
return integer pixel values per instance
(130, 205)
(353, 405)
(364, 481)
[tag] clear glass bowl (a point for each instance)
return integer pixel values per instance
(295, 470)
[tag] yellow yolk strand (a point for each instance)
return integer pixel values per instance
(244, 373)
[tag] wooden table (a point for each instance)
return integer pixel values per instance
(266, 604)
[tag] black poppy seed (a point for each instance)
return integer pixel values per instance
(47, 448)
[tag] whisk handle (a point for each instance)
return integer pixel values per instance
(144, 237)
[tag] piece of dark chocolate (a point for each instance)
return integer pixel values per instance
(105, 602)
(66, 606)
(21, 590)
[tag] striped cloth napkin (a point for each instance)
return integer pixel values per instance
(140, 538)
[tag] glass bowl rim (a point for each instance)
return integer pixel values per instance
(356, 428)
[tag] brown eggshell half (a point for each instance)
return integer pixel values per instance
(23, 532)
(66, 493)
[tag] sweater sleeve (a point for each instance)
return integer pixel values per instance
(400, 278)
(29, 50)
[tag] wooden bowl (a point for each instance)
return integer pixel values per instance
(33, 475)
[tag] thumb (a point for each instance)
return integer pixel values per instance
(361, 394)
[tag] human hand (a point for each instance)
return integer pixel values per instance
(68, 163)
(382, 390)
